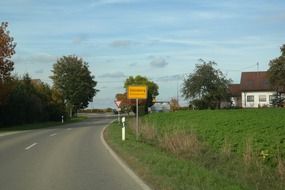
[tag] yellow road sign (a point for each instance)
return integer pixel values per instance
(137, 92)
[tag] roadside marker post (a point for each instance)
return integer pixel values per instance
(137, 92)
(62, 119)
(123, 129)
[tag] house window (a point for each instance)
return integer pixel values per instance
(262, 98)
(271, 97)
(250, 98)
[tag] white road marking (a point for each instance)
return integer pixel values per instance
(31, 146)
(53, 134)
(68, 129)
(9, 133)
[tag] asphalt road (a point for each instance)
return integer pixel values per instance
(71, 157)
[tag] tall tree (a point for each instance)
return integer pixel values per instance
(74, 81)
(152, 88)
(7, 49)
(277, 76)
(277, 70)
(206, 87)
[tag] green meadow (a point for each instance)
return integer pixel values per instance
(210, 149)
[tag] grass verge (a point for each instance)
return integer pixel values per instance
(163, 170)
(224, 149)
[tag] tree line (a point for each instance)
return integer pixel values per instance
(25, 100)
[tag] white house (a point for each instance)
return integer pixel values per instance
(253, 91)
(256, 90)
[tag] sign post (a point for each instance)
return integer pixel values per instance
(137, 92)
(118, 103)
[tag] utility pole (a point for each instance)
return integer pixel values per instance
(177, 90)
(257, 65)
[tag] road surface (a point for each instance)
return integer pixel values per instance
(71, 157)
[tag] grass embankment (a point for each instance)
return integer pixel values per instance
(40, 125)
(226, 149)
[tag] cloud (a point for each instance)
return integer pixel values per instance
(34, 59)
(113, 75)
(106, 2)
(133, 64)
(79, 39)
(122, 43)
(150, 57)
(39, 71)
(167, 78)
(158, 63)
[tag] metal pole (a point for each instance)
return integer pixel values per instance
(119, 116)
(137, 119)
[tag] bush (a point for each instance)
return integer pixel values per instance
(29, 102)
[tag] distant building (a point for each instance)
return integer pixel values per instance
(253, 91)
(235, 91)
(160, 106)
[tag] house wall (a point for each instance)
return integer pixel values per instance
(236, 101)
(256, 100)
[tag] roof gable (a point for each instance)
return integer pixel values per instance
(234, 90)
(255, 81)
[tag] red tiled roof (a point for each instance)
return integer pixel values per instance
(234, 90)
(255, 81)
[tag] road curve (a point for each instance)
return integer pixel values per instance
(70, 157)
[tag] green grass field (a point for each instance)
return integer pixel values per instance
(264, 128)
(211, 149)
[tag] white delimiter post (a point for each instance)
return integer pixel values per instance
(123, 129)
(137, 119)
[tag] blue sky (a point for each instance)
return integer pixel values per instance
(160, 39)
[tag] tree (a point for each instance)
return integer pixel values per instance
(152, 89)
(7, 49)
(29, 101)
(126, 104)
(277, 71)
(206, 87)
(74, 81)
(174, 104)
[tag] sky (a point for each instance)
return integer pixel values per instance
(160, 39)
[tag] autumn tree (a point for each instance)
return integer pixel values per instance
(7, 50)
(74, 81)
(206, 87)
(174, 104)
(125, 104)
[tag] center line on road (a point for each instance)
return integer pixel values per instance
(53, 134)
(31, 146)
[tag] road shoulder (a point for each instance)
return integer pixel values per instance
(122, 163)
